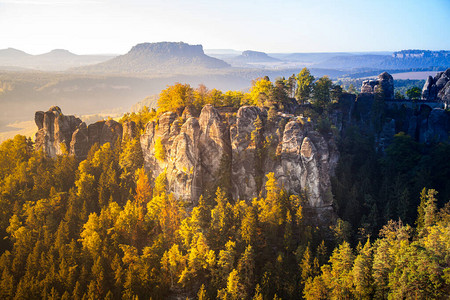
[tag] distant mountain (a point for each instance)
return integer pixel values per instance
(58, 54)
(250, 56)
(55, 60)
(405, 59)
(419, 59)
(11, 54)
(164, 57)
(308, 58)
(368, 61)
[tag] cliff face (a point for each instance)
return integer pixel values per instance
(202, 151)
(437, 88)
(236, 149)
(57, 131)
(385, 81)
(54, 131)
(101, 132)
(425, 122)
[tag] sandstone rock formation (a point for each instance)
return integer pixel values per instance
(428, 125)
(129, 130)
(54, 131)
(58, 134)
(244, 153)
(246, 146)
(101, 132)
(385, 81)
(307, 161)
(180, 153)
(437, 88)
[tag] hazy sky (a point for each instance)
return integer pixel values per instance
(114, 26)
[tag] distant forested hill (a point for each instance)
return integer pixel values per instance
(405, 59)
(55, 60)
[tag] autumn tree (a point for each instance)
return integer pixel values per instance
(143, 192)
(260, 92)
(175, 98)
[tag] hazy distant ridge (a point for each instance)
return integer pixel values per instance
(250, 56)
(55, 60)
(405, 59)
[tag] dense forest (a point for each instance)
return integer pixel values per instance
(101, 229)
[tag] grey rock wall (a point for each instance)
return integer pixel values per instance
(202, 148)
(58, 134)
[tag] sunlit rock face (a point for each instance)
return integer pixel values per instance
(54, 131)
(201, 152)
(99, 133)
(58, 134)
(384, 83)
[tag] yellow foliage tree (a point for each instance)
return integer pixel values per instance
(143, 192)
(160, 151)
(175, 98)
(260, 91)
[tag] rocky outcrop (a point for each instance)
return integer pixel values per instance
(193, 151)
(79, 145)
(179, 157)
(200, 152)
(103, 132)
(437, 88)
(427, 125)
(54, 131)
(425, 122)
(307, 161)
(368, 86)
(244, 153)
(438, 126)
(214, 146)
(429, 91)
(58, 134)
(385, 83)
(100, 133)
(129, 130)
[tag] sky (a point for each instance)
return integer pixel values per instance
(114, 26)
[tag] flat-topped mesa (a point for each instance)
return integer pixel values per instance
(385, 81)
(167, 49)
(165, 57)
(58, 134)
(437, 88)
(237, 151)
